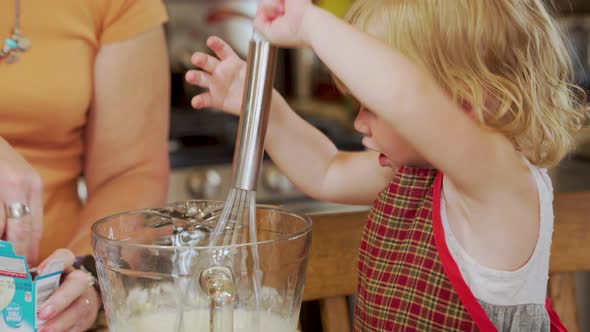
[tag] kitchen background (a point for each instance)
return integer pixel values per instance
(202, 142)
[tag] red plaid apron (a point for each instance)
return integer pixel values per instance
(408, 280)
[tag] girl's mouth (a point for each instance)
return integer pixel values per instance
(384, 161)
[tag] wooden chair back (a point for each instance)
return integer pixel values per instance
(331, 271)
(570, 253)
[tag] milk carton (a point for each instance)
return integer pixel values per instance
(21, 292)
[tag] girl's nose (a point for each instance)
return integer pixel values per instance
(361, 123)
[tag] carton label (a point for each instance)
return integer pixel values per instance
(13, 267)
(21, 296)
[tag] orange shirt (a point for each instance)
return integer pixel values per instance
(44, 97)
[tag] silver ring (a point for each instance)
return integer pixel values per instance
(17, 210)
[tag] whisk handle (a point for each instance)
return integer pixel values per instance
(258, 87)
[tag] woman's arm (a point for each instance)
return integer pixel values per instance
(126, 163)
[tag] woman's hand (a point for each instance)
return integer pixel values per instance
(283, 22)
(75, 304)
(223, 76)
(21, 193)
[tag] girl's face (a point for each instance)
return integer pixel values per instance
(380, 137)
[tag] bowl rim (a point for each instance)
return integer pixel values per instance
(96, 237)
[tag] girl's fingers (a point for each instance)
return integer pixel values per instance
(201, 101)
(220, 48)
(198, 78)
(204, 61)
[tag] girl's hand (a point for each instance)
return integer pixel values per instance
(223, 76)
(282, 22)
(75, 304)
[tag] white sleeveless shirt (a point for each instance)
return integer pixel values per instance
(517, 296)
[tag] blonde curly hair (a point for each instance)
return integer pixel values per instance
(506, 59)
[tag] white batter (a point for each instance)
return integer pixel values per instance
(199, 321)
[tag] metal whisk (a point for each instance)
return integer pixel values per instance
(240, 205)
(237, 223)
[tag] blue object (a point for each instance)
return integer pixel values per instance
(13, 315)
(11, 43)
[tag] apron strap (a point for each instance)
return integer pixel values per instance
(451, 269)
(556, 324)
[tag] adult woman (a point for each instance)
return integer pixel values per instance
(83, 91)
